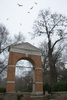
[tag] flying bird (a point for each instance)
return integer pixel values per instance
(19, 5)
(31, 8)
(29, 12)
(20, 24)
(7, 18)
(35, 3)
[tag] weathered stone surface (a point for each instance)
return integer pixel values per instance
(10, 96)
(25, 48)
(24, 96)
(62, 97)
(59, 95)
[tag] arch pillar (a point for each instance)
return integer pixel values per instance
(10, 87)
(25, 51)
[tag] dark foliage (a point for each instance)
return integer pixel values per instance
(60, 86)
(46, 87)
(2, 89)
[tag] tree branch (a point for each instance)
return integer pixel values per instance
(8, 46)
(56, 42)
(56, 24)
(3, 69)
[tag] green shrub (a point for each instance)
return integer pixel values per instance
(60, 86)
(46, 87)
(2, 89)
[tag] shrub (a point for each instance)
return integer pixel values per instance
(60, 86)
(46, 87)
(2, 89)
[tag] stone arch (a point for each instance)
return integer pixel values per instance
(31, 53)
(29, 59)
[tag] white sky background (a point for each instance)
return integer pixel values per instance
(19, 15)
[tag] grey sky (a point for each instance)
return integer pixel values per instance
(17, 18)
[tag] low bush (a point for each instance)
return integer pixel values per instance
(60, 86)
(2, 89)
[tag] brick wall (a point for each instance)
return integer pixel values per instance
(10, 87)
(34, 59)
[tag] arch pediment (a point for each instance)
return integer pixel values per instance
(26, 48)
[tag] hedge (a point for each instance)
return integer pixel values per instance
(60, 86)
(2, 89)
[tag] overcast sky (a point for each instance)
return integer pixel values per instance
(20, 19)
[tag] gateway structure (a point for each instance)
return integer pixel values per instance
(28, 52)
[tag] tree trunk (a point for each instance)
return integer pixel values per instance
(44, 77)
(53, 74)
(51, 63)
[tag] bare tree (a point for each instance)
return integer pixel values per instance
(5, 42)
(3, 36)
(58, 60)
(52, 26)
(18, 38)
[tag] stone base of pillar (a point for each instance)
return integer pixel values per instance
(26, 96)
(37, 93)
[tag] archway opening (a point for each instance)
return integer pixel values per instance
(24, 76)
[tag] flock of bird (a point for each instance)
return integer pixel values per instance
(22, 6)
(29, 9)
